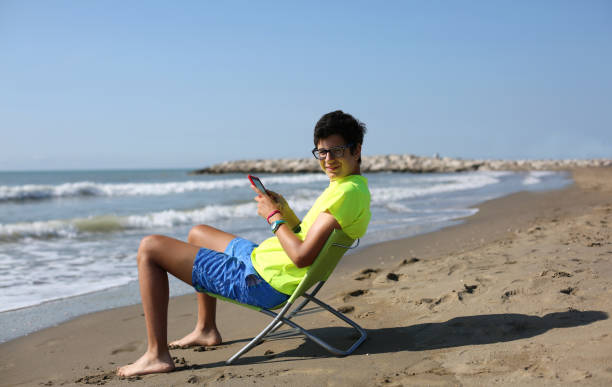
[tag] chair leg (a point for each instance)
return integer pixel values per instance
(307, 300)
(299, 307)
(362, 333)
(262, 334)
(279, 319)
(274, 325)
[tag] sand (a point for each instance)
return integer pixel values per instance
(519, 294)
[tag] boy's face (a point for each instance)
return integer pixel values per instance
(338, 167)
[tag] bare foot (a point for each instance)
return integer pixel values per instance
(147, 364)
(198, 337)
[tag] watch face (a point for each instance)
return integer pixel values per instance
(276, 224)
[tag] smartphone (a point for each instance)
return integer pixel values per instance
(257, 183)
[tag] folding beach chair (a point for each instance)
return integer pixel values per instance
(325, 263)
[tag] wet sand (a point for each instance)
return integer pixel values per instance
(519, 294)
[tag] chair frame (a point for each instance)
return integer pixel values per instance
(335, 246)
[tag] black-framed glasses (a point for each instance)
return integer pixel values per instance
(336, 151)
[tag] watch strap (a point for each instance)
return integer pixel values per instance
(276, 224)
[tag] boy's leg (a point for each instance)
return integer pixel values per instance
(157, 256)
(205, 332)
(210, 237)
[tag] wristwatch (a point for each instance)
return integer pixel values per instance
(276, 224)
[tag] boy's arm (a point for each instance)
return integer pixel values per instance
(303, 253)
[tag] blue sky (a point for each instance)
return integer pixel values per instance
(151, 84)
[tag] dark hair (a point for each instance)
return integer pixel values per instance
(342, 124)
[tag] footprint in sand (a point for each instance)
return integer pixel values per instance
(129, 347)
(425, 301)
(269, 353)
(534, 229)
(568, 291)
(506, 296)
(366, 314)
(355, 293)
(366, 273)
(102, 379)
(179, 360)
(561, 274)
(346, 309)
(469, 289)
(455, 267)
(393, 276)
(432, 303)
(202, 348)
(193, 379)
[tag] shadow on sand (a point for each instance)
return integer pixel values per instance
(456, 332)
(474, 330)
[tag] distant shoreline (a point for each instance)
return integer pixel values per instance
(403, 163)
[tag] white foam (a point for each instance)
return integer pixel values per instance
(535, 177)
(445, 184)
(461, 176)
(108, 223)
(71, 228)
(89, 188)
(21, 297)
(295, 179)
(207, 214)
(41, 229)
(55, 269)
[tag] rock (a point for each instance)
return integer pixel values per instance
(402, 163)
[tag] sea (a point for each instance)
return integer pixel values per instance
(68, 239)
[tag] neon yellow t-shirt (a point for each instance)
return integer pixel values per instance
(347, 199)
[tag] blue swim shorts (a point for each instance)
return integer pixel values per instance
(231, 274)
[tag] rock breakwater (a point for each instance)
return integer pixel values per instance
(403, 163)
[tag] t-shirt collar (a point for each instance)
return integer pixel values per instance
(346, 178)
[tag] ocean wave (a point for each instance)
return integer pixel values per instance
(301, 200)
(41, 229)
(71, 228)
(90, 188)
(535, 177)
(171, 218)
(445, 184)
(463, 176)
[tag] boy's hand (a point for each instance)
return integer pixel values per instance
(265, 204)
(286, 211)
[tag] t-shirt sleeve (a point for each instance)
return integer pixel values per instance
(344, 206)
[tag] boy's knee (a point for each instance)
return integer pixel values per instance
(197, 233)
(148, 246)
